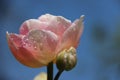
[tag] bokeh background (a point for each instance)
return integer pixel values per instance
(99, 50)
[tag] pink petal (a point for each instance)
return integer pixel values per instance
(72, 35)
(46, 18)
(21, 54)
(42, 44)
(36, 49)
(15, 38)
(32, 24)
(56, 24)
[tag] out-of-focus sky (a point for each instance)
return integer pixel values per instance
(99, 50)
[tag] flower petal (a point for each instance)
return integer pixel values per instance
(14, 39)
(56, 24)
(42, 44)
(72, 34)
(34, 50)
(46, 17)
(21, 54)
(32, 24)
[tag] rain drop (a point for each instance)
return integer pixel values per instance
(34, 41)
(24, 44)
(41, 44)
(29, 44)
(35, 47)
(26, 40)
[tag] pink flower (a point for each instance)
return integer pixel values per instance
(40, 40)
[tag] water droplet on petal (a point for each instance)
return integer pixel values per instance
(26, 39)
(29, 45)
(41, 44)
(24, 43)
(35, 47)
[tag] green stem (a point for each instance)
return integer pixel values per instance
(58, 74)
(50, 71)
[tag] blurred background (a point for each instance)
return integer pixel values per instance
(99, 50)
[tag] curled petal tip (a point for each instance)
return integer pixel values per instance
(82, 17)
(7, 34)
(81, 20)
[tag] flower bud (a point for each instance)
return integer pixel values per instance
(66, 59)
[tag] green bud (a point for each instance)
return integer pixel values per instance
(66, 59)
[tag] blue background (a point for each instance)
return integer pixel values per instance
(99, 50)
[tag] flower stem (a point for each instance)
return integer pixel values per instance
(58, 74)
(50, 71)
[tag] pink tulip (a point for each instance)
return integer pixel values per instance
(40, 40)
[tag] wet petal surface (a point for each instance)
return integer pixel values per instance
(36, 49)
(56, 24)
(72, 35)
(31, 25)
